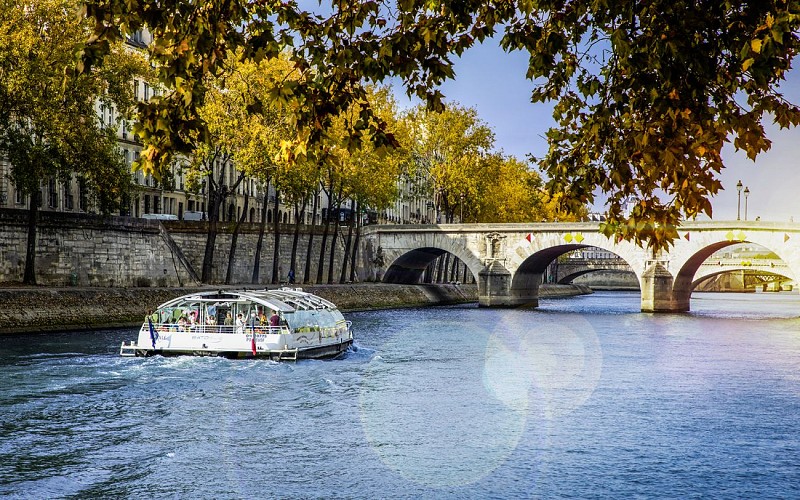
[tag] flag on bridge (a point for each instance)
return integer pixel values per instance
(529, 237)
(785, 237)
(686, 236)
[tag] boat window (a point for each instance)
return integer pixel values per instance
(307, 320)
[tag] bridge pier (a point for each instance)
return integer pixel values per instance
(658, 292)
(496, 288)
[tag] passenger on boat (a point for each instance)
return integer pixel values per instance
(239, 323)
(182, 324)
(274, 320)
(229, 319)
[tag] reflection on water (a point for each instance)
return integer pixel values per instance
(581, 397)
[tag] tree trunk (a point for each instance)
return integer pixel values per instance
(332, 253)
(337, 203)
(453, 269)
(261, 229)
(320, 269)
(307, 269)
(323, 245)
(235, 239)
(346, 256)
(299, 216)
(277, 239)
(29, 278)
(354, 251)
(215, 200)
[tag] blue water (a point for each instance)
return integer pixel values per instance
(584, 397)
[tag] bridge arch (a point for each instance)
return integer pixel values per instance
(532, 259)
(536, 255)
(408, 266)
(565, 280)
(705, 276)
(686, 278)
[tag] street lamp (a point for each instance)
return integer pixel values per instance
(738, 199)
(461, 205)
(746, 194)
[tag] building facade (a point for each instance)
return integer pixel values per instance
(171, 197)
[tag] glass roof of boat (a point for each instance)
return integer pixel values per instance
(282, 299)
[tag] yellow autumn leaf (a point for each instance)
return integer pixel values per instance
(755, 45)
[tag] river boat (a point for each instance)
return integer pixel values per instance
(280, 324)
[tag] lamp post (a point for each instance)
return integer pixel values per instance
(461, 206)
(746, 194)
(738, 199)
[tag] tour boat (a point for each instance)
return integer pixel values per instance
(281, 324)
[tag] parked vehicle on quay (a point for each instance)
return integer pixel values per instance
(281, 324)
(160, 216)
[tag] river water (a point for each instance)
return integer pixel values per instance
(583, 397)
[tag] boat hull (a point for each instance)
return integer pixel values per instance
(315, 352)
(282, 346)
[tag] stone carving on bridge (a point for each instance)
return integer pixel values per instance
(495, 246)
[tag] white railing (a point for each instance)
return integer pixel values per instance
(218, 329)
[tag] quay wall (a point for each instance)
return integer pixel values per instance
(63, 309)
(34, 309)
(90, 251)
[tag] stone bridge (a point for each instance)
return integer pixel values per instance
(768, 270)
(508, 260)
(569, 269)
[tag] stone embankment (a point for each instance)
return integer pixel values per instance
(62, 309)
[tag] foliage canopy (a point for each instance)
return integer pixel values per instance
(647, 93)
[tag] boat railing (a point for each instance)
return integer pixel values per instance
(219, 329)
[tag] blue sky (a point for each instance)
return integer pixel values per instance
(493, 82)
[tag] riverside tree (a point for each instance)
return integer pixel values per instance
(512, 191)
(647, 93)
(49, 126)
(237, 139)
(448, 149)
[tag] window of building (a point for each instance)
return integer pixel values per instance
(147, 203)
(124, 129)
(146, 92)
(19, 198)
(52, 195)
(69, 198)
(156, 205)
(83, 195)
